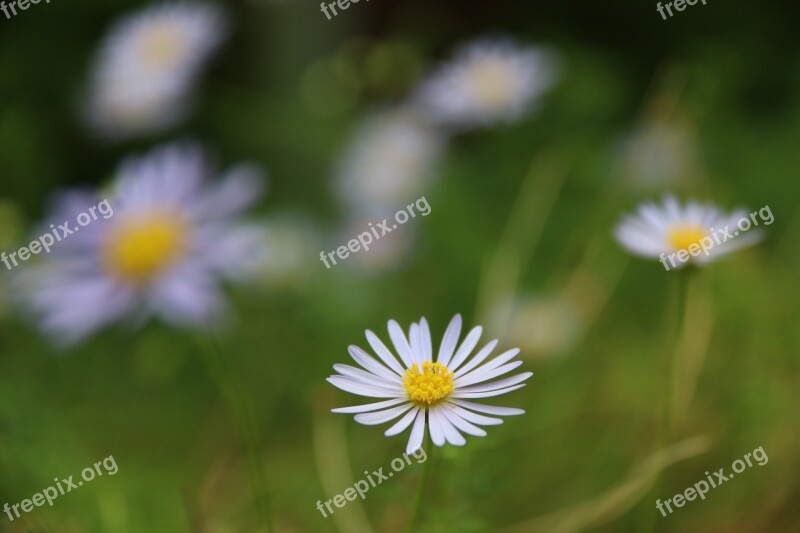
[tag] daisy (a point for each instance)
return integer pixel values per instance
(169, 241)
(422, 392)
(389, 162)
(692, 234)
(148, 64)
(489, 81)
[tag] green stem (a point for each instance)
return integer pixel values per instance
(422, 482)
(678, 357)
(232, 391)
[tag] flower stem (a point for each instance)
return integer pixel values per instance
(422, 482)
(232, 391)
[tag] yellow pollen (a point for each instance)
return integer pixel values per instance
(491, 83)
(139, 249)
(163, 44)
(430, 386)
(681, 237)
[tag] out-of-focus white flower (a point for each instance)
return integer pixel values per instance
(291, 239)
(657, 154)
(389, 252)
(170, 240)
(389, 162)
(148, 64)
(655, 231)
(422, 392)
(488, 81)
(542, 326)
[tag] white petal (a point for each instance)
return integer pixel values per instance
(466, 348)
(474, 417)
(506, 382)
(365, 360)
(403, 423)
(368, 406)
(401, 343)
(417, 433)
(416, 345)
(362, 376)
(384, 353)
(475, 361)
(435, 427)
(449, 341)
(451, 434)
(460, 423)
(481, 375)
(376, 391)
(485, 394)
(489, 409)
(379, 417)
(425, 340)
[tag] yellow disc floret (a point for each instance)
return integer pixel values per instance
(681, 237)
(431, 385)
(139, 249)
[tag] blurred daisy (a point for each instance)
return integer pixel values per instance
(658, 153)
(488, 81)
(693, 233)
(148, 64)
(541, 325)
(389, 162)
(169, 240)
(422, 392)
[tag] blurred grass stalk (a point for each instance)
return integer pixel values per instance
(540, 189)
(618, 499)
(333, 465)
(696, 324)
(233, 392)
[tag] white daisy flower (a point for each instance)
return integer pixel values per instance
(148, 64)
(420, 391)
(488, 81)
(389, 162)
(693, 233)
(170, 239)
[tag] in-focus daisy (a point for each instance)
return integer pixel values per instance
(148, 64)
(389, 162)
(488, 81)
(422, 392)
(679, 235)
(169, 241)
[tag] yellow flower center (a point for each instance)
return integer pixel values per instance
(163, 45)
(139, 249)
(681, 237)
(490, 83)
(430, 386)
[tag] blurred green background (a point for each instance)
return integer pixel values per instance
(540, 197)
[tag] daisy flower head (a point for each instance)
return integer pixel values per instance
(169, 241)
(488, 81)
(424, 393)
(390, 160)
(147, 65)
(693, 233)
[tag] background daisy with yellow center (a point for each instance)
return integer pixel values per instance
(172, 239)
